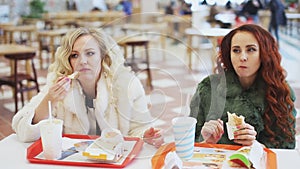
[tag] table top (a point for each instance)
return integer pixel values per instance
(84, 15)
(13, 155)
(4, 24)
(226, 17)
(177, 18)
(15, 28)
(293, 15)
(15, 49)
(131, 40)
(209, 32)
(95, 24)
(55, 32)
(144, 27)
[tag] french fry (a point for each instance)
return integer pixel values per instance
(74, 75)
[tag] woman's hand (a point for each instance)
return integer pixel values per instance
(153, 137)
(56, 92)
(212, 131)
(245, 135)
(59, 89)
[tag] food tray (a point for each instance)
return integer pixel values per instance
(36, 148)
(159, 157)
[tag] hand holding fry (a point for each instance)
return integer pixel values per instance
(153, 137)
(212, 131)
(59, 89)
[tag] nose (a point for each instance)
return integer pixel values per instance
(83, 59)
(243, 57)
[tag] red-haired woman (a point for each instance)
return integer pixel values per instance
(250, 82)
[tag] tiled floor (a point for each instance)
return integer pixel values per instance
(173, 82)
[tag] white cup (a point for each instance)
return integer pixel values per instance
(184, 135)
(51, 135)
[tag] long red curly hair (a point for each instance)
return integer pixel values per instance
(279, 102)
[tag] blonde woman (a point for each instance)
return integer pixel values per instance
(106, 94)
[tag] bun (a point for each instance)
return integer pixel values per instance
(107, 148)
(235, 120)
(112, 136)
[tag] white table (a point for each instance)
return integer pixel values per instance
(287, 158)
(13, 155)
(293, 21)
(226, 18)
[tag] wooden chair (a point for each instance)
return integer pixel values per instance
(43, 46)
(19, 80)
(135, 42)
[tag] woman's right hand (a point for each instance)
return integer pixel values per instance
(59, 89)
(212, 131)
(56, 92)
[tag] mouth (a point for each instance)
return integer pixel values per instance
(243, 67)
(84, 70)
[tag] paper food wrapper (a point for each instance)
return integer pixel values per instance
(233, 122)
(230, 130)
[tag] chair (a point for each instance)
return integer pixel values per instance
(19, 80)
(135, 42)
(43, 46)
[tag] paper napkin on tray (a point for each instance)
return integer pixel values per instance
(172, 161)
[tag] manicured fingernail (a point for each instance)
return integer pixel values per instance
(67, 79)
(238, 127)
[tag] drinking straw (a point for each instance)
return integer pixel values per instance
(50, 111)
(187, 104)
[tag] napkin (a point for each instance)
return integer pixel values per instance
(172, 161)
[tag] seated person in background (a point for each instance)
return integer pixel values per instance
(170, 8)
(127, 6)
(252, 83)
(250, 10)
(106, 94)
(185, 8)
(99, 5)
(213, 11)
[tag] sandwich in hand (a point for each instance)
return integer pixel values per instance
(233, 122)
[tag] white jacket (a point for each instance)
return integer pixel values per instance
(126, 110)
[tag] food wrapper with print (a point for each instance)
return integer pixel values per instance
(249, 157)
(108, 148)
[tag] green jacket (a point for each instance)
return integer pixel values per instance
(218, 93)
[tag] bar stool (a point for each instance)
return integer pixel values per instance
(19, 80)
(135, 42)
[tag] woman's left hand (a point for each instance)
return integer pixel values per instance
(153, 137)
(245, 135)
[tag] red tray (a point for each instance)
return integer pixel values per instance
(158, 159)
(36, 148)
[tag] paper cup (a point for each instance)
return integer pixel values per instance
(184, 135)
(51, 135)
(230, 130)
